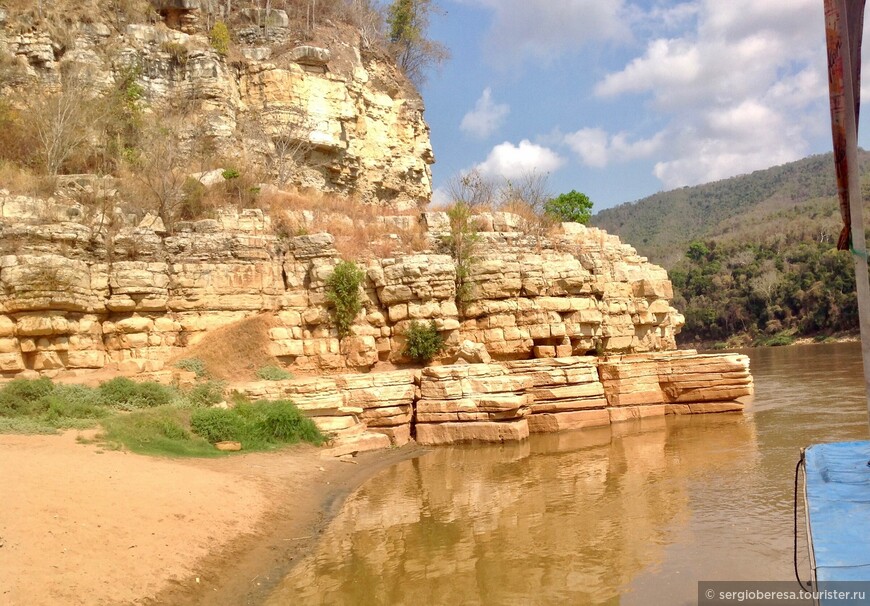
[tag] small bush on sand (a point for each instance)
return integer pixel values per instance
(218, 425)
(282, 422)
(126, 394)
(39, 406)
(256, 425)
(203, 395)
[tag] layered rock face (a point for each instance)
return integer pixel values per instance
(330, 118)
(76, 297)
(506, 402)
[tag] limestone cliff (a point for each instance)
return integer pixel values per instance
(331, 114)
(76, 296)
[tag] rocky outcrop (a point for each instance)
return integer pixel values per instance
(465, 402)
(567, 393)
(75, 296)
(506, 402)
(333, 119)
(679, 382)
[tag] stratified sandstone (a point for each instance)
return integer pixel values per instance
(75, 296)
(567, 393)
(504, 402)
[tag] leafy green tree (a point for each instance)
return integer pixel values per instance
(571, 207)
(408, 21)
(343, 292)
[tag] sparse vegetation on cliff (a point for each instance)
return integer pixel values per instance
(461, 242)
(415, 53)
(101, 114)
(273, 373)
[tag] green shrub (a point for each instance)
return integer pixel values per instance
(778, 340)
(256, 426)
(118, 391)
(283, 422)
(219, 36)
(39, 406)
(204, 395)
(126, 394)
(273, 373)
(151, 394)
(424, 342)
(18, 396)
(218, 425)
(194, 365)
(343, 292)
(230, 174)
(571, 207)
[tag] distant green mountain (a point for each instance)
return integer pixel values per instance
(752, 258)
(795, 201)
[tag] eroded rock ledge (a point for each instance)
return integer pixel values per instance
(508, 401)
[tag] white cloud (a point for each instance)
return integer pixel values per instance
(440, 197)
(543, 29)
(596, 148)
(667, 63)
(511, 161)
(590, 144)
(731, 141)
(742, 89)
(486, 117)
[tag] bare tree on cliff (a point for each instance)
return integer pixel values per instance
(63, 119)
(408, 21)
(158, 166)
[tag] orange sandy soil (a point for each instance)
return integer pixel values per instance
(84, 525)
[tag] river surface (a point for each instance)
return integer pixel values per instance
(636, 513)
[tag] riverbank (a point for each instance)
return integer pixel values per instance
(84, 525)
(744, 341)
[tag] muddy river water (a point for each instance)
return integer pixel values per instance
(636, 513)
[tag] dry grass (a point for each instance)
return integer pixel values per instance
(361, 231)
(535, 223)
(24, 182)
(236, 351)
(58, 15)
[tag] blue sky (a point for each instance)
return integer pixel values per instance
(621, 99)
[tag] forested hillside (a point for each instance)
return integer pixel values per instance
(752, 258)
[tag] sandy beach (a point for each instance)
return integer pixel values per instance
(80, 524)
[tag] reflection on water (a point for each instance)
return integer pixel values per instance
(632, 514)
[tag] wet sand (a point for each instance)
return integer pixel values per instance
(83, 525)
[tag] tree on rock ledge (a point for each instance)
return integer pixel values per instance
(414, 52)
(571, 207)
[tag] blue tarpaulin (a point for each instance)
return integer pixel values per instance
(838, 509)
